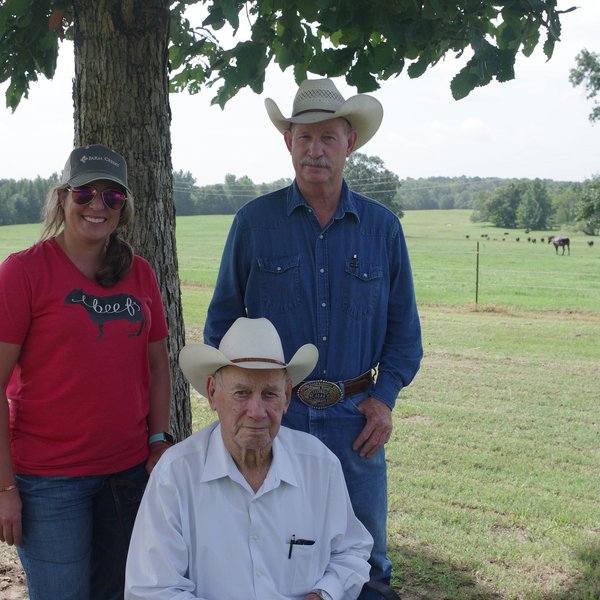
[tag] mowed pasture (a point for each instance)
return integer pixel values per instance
(494, 462)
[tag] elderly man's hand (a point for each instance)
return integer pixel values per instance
(378, 428)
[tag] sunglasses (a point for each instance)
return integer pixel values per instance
(113, 199)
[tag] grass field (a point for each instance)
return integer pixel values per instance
(494, 462)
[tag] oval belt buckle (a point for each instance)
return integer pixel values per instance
(319, 393)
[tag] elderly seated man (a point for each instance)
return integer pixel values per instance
(246, 508)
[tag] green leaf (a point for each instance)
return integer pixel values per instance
(530, 42)
(437, 8)
(549, 47)
(360, 76)
(464, 82)
(221, 11)
(300, 73)
(215, 19)
(176, 56)
(332, 62)
(15, 91)
(554, 27)
(17, 7)
(380, 57)
(505, 65)
(417, 69)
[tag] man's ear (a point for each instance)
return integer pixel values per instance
(352, 139)
(288, 395)
(287, 136)
(211, 386)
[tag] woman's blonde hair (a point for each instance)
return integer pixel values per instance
(118, 258)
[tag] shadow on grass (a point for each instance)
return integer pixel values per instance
(420, 575)
(586, 585)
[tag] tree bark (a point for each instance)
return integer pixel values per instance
(121, 100)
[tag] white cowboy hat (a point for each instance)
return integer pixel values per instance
(249, 344)
(319, 100)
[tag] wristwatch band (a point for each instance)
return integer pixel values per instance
(322, 594)
(163, 436)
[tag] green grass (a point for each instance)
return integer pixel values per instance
(494, 462)
(16, 237)
(511, 273)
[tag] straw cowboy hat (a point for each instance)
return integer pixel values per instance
(319, 100)
(249, 344)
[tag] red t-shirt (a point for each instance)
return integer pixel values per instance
(79, 392)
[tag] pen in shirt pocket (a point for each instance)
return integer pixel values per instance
(298, 542)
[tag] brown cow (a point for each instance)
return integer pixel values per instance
(562, 242)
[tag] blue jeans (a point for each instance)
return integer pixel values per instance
(76, 533)
(337, 427)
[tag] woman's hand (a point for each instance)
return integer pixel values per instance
(157, 449)
(10, 517)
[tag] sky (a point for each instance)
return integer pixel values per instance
(534, 126)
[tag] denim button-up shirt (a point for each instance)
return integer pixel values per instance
(347, 287)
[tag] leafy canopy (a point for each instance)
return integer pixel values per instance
(588, 208)
(519, 204)
(587, 72)
(368, 175)
(365, 41)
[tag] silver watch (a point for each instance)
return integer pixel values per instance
(322, 594)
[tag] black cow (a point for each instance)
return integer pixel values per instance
(562, 242)
(102, 309)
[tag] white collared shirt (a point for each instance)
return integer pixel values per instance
(202, 532)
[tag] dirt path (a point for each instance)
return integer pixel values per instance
(12, 578)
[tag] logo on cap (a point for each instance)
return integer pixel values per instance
(84, 159)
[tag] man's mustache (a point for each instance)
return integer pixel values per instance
(316, 162)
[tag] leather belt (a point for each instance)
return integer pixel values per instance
(323, 394)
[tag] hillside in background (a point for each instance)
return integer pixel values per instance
(447, 193)
(21, 200)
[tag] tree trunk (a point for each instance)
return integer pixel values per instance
(121, 99)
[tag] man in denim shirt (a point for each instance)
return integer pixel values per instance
(328, 266)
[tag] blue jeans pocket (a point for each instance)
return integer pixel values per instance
(127, 495)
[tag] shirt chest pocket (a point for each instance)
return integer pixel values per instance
(279, 283)
(298, 573)
(362, 288)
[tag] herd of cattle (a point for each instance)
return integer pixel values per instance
(559, 241)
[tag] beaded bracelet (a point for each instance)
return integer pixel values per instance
(8, 488)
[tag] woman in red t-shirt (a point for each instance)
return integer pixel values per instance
(85, 387)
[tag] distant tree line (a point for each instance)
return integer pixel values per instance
(508, 203)
(22, 201)
(433, 193)
(365, 174)
(220, 198)
(537, 204)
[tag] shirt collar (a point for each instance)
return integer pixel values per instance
(346, 204)
(219, 463)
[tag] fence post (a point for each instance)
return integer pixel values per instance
(477, 277)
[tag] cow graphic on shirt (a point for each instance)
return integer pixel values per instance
(102, 309)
